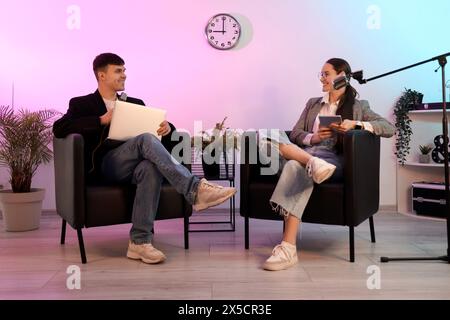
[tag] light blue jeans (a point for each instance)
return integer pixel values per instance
(295, 186)
(144, 161)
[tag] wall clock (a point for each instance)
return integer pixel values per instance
(223, 31)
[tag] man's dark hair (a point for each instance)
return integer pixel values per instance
(103, 60)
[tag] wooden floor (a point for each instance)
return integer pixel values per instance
(33, 264)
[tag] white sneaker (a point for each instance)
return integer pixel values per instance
(211, 194)
(145, 252)
(283, 256)
(319, 169)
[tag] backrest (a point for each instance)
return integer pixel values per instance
(251, 159)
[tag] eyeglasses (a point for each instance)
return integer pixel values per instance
(321, 75)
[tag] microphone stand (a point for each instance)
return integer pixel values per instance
(442, 62)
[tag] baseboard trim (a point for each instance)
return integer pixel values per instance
(388, 208)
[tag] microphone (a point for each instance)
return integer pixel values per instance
(123, 96)
(341, 82)
(344, 81)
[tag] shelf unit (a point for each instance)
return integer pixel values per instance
(425, 125)
(227, 173)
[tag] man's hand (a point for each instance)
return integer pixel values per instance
(345, 126)
(322, 134)
(164, 129)
(106, 118)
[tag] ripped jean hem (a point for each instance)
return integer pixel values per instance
(280, 210)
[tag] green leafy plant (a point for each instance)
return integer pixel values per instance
(404, 104)
(425, 149)
(24, 140)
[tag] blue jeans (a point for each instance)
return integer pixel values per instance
(144, 161)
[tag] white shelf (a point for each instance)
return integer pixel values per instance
(429, 165)
(428, 111)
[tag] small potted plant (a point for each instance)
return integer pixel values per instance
(24, 140)
(424, 156)
(407, 102)
(213, 144)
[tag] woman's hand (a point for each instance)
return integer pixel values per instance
(322, 134)
(345, 126)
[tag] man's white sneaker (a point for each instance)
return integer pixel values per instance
(145, 252)
(319, 169)
(211, 194)
(283, 256)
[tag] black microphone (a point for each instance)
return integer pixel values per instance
(123, 96)
(341, 82)
(344, 81)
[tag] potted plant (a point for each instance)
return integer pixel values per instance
(424, 156)
(407, 101)
(24, 140)
(214, 143)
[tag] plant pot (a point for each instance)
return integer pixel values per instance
(210, 170)
(424, 158)
(21, 211)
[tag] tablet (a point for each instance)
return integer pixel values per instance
(325, 121)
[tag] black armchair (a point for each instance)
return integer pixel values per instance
(85, 205)
(347, 203)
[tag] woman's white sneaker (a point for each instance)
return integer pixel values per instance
(284, 255)
(319, 169)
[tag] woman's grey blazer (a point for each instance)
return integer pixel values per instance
(361, 112)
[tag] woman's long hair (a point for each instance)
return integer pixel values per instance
(345, 108)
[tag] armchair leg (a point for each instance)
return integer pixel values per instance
(246, 232)
(81, 244)
(352, 243)
(63, 231)
(372, 230)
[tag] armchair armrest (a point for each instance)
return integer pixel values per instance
(70, 179)
(361, 175)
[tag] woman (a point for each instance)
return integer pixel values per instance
(313, 153)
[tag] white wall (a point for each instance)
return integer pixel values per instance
(264, 82)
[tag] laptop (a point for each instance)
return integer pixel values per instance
(130, 120)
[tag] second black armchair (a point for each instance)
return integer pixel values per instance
(348, 203)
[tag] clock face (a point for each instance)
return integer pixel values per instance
(223, 31)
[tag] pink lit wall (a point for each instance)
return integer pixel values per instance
(47, 48)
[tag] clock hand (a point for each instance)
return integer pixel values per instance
(223, 26)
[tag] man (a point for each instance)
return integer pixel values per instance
(143, 160)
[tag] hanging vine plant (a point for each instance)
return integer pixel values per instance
(404, 104)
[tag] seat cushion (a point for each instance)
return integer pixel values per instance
(326, 205)
(330, 211)
(113, 204)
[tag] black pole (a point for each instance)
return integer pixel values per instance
(407, 67)
(442, 62)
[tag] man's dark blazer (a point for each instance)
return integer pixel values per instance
(83, 117)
